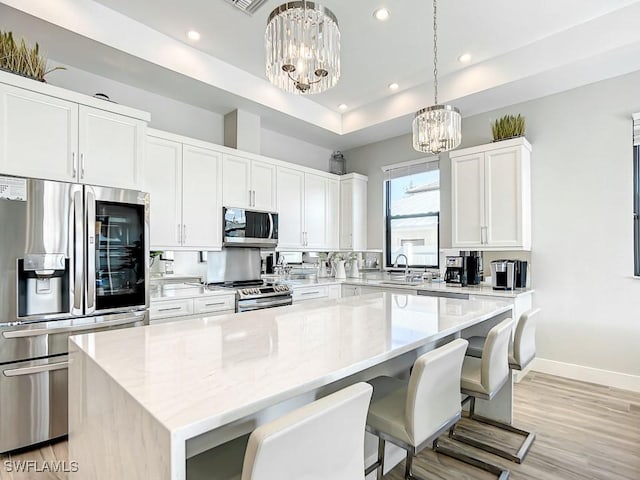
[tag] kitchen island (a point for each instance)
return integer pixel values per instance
(143, 401)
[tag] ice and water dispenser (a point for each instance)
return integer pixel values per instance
(43, 285)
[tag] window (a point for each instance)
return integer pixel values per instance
(413, 215)
(636, 207)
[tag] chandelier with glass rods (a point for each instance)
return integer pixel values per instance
(302, 44)
(437, 128)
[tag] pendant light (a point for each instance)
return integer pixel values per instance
(302, 44)
(437, 128)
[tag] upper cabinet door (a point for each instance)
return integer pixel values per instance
(111, 149)
(346, 215)
(467, 206)
(290, 208)
(263, 186)
(333, 214)
(38, 135)
(163, 180)
(353, 212)
(503, 197)
(201, 198)
(315, 211)
(236, 188)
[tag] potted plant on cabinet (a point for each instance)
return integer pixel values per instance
(20, 59)
(508, 126)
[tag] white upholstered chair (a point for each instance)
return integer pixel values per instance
(322, 440)
(485, 374)
(413, 415)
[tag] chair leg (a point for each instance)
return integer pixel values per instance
(378, 465)
(518, 457)
(500, 473)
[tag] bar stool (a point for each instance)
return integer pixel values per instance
(413, 415)
(484, 377)
(318, 441)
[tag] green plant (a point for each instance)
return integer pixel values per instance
(508, 126)
(21, 59)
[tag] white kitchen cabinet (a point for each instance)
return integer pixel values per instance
(248, 183)
(169, 310)
(310, 293)
(185, 186)
(353, 212)
(308, 210)
(201, 198)
(111, 148)
(491, 196)
(351, 290)
(335, 291)
(38, 135)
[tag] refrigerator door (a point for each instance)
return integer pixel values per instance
(40, 264)
(117, 240)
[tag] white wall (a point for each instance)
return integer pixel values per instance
(582, 255)
(289, 149)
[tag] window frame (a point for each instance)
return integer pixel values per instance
(387, 222)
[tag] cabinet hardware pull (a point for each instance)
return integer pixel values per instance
(309, 293)
(184, 233)
(82, 165)
(73, 164)
(179, 234)
(250, 201)
(214, 304)
(173, 309)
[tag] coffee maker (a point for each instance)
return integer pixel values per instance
(473, 267)
(456, 274)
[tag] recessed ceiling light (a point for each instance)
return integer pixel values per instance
(381, 14)
(393, 86)
(343, 106)
(193, 35)
(464, 58)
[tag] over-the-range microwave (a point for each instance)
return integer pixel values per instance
(249, 228)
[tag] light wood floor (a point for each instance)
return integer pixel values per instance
(584, 432)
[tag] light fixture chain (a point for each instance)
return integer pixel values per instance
(435, 50)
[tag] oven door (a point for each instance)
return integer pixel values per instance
(266, 302)
(249, 228)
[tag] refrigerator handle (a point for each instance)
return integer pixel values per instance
(91, 251)
(78, 260)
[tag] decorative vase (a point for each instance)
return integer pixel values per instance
(322, 269)
(338, 265)
(354, 271)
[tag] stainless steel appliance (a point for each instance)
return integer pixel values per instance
(239, 269)
(473, 267)
(521, 273)
(456, 274)
(503, 274)
(74, 259)
(249, 228)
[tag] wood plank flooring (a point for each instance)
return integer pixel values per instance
(584, 432)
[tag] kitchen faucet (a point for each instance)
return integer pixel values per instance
(406, 264)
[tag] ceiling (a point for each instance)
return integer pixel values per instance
(520, 50)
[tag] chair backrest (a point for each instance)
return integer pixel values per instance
(433, 395)
(524, 340)
(318, 441)
(495, 356)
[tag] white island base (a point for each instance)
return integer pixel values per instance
(144, 400)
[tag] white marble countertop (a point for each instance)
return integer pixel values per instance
(200, 374)
(484, 290)
(158, 293)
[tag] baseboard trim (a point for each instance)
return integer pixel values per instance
(608, 378)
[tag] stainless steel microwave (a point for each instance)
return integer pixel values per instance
(249, 228)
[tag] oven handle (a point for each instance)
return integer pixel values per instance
(92, 240)
(270, 226)
(262, 305)
(34, 332)
(19, 372)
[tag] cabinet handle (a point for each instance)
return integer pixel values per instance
(173, 309)
(214, 304)
(73, 164)
(82, 165)
(254, 197)
(179, 233)
(309, 293)
(483, 236)
(184, 233)
(250, 201)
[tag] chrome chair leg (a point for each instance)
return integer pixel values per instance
(500, 473)
(518, 457)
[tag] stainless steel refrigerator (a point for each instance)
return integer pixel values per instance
(73, 259)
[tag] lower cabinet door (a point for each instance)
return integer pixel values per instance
(309, 293)
(224, 303)
(170, 308)
(34, 402)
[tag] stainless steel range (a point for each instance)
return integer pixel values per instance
(239, 269)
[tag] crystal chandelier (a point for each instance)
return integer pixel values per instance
(303, 47)
(437, 128)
